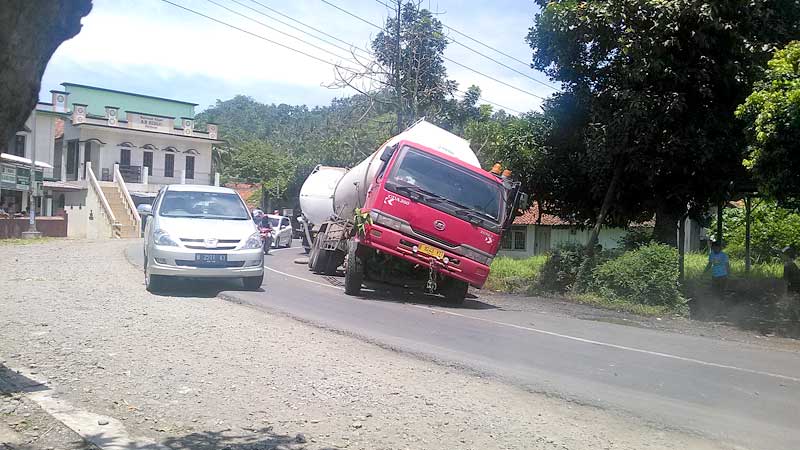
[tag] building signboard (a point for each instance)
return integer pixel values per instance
(17, 178)
(150, 122)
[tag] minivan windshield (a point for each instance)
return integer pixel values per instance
(203, 205)
(438, 182)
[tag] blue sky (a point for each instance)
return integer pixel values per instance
(157, 49)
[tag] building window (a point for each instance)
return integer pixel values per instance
(514, 239)
(124, 157)
(19, 145)
(147, 161)
(190, 167)
(169, 165)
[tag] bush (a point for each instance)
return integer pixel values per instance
(514, 275)
(635, 238)
(648, 276)
(772, 229)
(560, 271)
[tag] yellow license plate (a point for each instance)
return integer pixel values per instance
(431, 251)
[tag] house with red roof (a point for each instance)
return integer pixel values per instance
(536, 232)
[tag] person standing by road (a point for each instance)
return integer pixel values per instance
(720, 267)
(791, 273)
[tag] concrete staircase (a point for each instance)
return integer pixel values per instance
(127, 224)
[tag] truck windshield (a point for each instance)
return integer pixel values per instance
(203, 205)
(445, 186)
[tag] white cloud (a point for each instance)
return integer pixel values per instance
(159, 42)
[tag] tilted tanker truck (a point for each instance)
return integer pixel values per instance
(418, 211)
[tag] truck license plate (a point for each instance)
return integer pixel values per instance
(431, 251)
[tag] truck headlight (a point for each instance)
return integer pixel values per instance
(253, 242)
(161, 237)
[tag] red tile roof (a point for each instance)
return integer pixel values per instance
(531, 217)
(248, 191)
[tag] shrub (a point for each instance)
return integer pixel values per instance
(635, 238)
(560, 271)
(648, 275)
(514, 275)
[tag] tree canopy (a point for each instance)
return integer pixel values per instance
(772, 116)
(653, 85)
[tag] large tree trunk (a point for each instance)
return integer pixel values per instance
(30, 31)
(666, 228)
(604, 208)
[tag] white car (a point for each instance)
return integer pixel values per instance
(201, 232)
(281, 230)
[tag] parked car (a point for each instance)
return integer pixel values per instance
(281, 230)
(201, 232)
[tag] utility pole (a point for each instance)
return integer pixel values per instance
(397, 86)
(32, 233)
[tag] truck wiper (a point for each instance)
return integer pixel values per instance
(470, 216)
(422, 193)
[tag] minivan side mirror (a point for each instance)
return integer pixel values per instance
(144, 209)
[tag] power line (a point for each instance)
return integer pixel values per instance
(281, 32)
(302, 24)
(316, 58)
(251, 33)
(490, 58)
(443, 57)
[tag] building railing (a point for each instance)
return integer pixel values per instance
(94, 185)
(132, 211)
(131, 174)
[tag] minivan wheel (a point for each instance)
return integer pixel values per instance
(153, 283)
(253, 283)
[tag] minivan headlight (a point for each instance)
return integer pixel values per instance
(254, 241)
(161, 237)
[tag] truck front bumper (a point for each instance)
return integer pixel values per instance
(407, 248)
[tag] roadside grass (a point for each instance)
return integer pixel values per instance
(514, 275)
(629, 307)
(20, 241)
(695, 263)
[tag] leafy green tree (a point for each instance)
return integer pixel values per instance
(656, 83)
(771, 229)
(772, 115)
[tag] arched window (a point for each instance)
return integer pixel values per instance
(126, 144)
(149, 147)
(192, 151)
(171, 149)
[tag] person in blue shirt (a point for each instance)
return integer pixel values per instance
(720, 267)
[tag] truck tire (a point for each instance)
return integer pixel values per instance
(353, 270)
(455, 291)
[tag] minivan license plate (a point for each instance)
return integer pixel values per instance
(210, 258)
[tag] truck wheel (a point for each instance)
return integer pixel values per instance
(455, 291)
(353, 270)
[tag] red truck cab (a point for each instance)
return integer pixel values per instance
(436, 211)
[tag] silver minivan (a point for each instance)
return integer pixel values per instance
(197, 231)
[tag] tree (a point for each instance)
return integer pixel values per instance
(658, 82)
(405, 70)
(772, 116)
(30, 31)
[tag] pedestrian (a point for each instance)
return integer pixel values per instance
(791, 273)
(720, 267)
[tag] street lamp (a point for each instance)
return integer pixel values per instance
(32, 232)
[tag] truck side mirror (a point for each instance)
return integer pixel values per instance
(144, 209)
(522, 201)
(388, 152)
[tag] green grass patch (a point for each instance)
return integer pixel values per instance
(630, 307)
(695, 263)
(514, 275)
(20, 241)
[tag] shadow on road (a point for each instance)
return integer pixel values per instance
(256, 439)
(202, 288)
(11, 381)
(418, 297)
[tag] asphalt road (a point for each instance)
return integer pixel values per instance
(732, 392)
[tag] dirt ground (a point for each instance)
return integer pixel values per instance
(205, 373)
